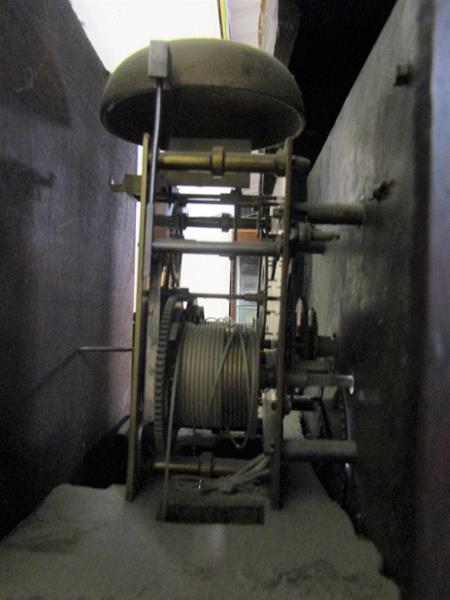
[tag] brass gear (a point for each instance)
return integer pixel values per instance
(162, 372)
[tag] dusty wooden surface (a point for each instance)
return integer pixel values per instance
(87, 543)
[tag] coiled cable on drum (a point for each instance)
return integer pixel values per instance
(218, 383)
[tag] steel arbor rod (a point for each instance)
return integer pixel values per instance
(303, 378)
(320, 451)
(225, 222)
(332, 214)
(215, 467)
(247, 297)
(220, 163)
(228, 199)
(256, 248)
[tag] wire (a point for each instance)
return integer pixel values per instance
(169, 436)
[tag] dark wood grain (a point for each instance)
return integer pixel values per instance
(369, 287)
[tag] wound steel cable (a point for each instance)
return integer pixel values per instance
(219, 376)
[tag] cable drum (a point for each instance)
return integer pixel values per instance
(218, 383)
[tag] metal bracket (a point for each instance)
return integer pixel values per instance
(131, 185)
(158, 59)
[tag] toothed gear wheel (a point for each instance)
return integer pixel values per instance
(161, 372)
(262, 288)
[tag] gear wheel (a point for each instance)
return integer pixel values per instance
(162, 372)
(262, 289)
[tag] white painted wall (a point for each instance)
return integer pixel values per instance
(117, 28)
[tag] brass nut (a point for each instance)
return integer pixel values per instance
(218, 161)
